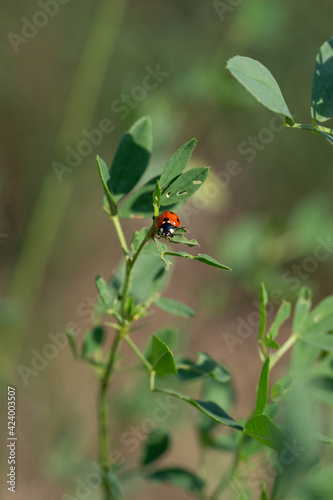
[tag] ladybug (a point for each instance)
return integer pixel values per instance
(166, 224)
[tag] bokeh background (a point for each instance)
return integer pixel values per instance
(62, 79)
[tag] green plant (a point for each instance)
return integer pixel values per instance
(259, 81)
(130, 295)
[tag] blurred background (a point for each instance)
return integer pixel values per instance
(266, 208)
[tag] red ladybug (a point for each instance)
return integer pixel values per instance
(167, 223)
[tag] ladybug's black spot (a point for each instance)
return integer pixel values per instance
(166, 219)
(178, 220)
(172, 212)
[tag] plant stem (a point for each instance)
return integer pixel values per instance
(313, 127)
(120, 234)
(138, 353)
(283, 349)
(228, 477)
(105, 463)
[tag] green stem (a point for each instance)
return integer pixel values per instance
(228, 477)
(313, 127)
(138, 353)
(283, 349)
(120, 234)
(104, 439)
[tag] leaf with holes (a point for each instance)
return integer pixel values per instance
(322, 91)
(104, 175)
(260, 82)
(174, 307)
(131, 158)
(161, 358)
(321, 318)
(177, 163)
(157, 195)
(184, 186)
(206, 259)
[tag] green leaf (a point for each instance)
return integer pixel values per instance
(321, 318)
(263, 303)
(155, 445)
(139, 204)
(209, 408)
(157, 195)
(263, 429)
(137, 238)
(184, 186)
(114, 486)
(201, 257)
(169, 335)
(259, 81)
(281, 316)
(105, 179)
(180, 238)
(93, 341)
(272, 344)
(322, 340)
(131, 158)
(263, 492)
(302, 308)
(206, 365)
(177, 163)
(71, 342)
(178, 477)
(105, 292)
(161, 358)
(262, 389)
(174, 307)
(322, 90)
(328, 137)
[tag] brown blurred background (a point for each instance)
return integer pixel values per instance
(59, 81)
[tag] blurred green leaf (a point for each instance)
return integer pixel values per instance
(281, 316)
(184, 186)
(263, 389)
(328, 137)
(302, 308)
(139, 204)
(264, 430)
(155, 446)
(321, 318)
(93, 341)
(322, 340)
(206, 365)
(177, 163)
(71, 342)
(263, 303)
(169, 335)
(209, 408)
(259, 81)
(178, 477)
(174, 307)
(131, 158)
(263, 492)
(105, 292)
(137, 238)
(114, 486)
(322, 95)
(201, 257)
(106, 182)
(161, 358)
